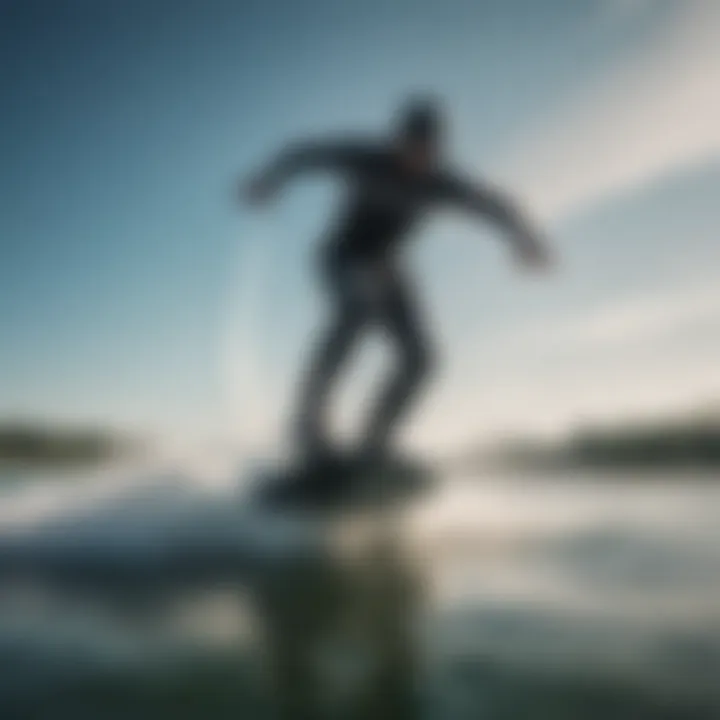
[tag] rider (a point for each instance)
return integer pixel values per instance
(392, 183)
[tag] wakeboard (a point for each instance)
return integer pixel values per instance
(342, 484)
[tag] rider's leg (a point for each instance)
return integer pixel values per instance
(352, 312)
(401, 320)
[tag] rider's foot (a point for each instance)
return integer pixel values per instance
(305, 487)
(317, 477)
(383, 459)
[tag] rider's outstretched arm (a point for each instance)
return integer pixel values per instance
(301, 157)
(499, 209)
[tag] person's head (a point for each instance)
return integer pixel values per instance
(419, 133)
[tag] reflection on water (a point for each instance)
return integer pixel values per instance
(500, 598)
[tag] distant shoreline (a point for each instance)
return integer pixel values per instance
(691, 444)
(35, 446)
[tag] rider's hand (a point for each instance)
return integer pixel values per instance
(257, 190)
(531, 252)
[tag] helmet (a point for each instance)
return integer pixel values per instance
(421, 120)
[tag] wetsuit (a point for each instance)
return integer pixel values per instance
(386, 200)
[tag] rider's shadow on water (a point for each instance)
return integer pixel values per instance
(340, 634)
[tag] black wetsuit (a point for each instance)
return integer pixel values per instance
(386, 200)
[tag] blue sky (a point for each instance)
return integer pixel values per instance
(135, 292)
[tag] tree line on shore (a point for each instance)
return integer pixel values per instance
(693, 440)
(37, 443)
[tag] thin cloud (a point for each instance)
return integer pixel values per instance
(600, 363)
(619, 324)
(656, 114)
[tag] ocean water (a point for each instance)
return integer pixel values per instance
(146, 592)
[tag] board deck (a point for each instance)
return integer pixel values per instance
(339, 487)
